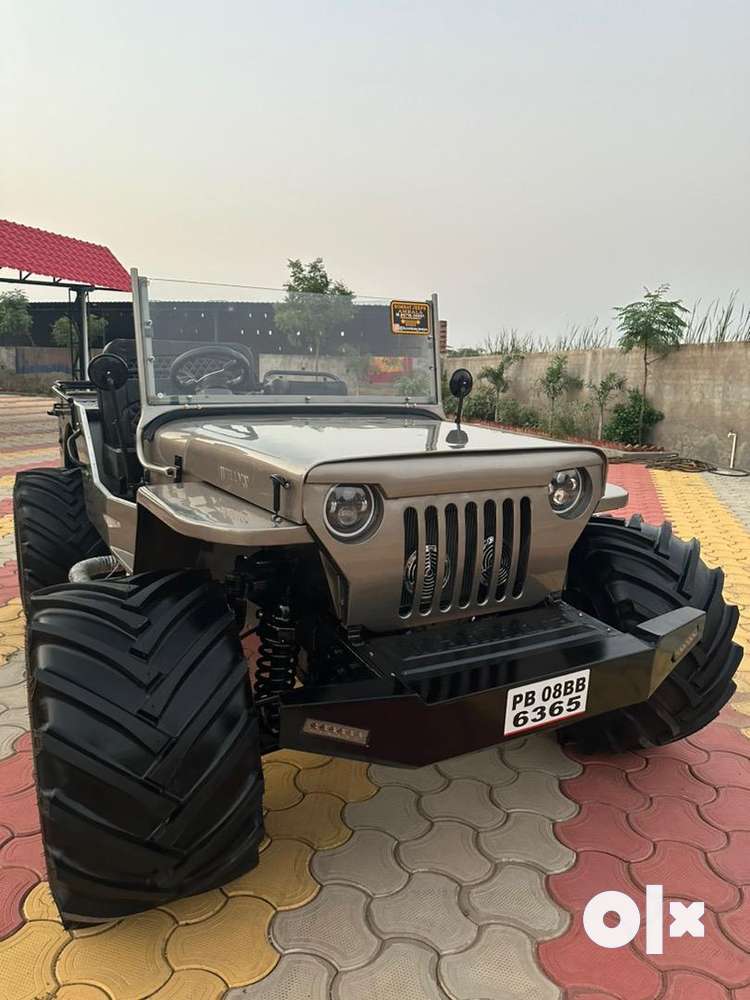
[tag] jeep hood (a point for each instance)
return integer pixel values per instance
(239, 454)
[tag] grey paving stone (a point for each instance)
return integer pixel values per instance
(464, 800)
(538, 792)
(404, 970)
(449, 848)
(332, 926)
(542, 753)
(393, 809)
(426, 909)
(13, 671)
(500, 965)
(487, 766)
(8, 736)
(367, 860)
(421, 779)
(296, 977)
(13, 695)
(516, 895)
(527, 837)
(735, 493)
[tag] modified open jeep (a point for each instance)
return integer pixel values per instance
(273, 473)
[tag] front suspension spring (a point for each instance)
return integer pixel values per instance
(276, 665)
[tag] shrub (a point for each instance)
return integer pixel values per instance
(511, 412)
(625, 421)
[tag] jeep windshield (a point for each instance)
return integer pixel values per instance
(226, 344)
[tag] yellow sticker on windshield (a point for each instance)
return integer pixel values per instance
(411, 317)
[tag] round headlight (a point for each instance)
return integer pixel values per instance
(349, 510)
(565, 490)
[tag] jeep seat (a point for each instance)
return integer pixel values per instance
(119, 411)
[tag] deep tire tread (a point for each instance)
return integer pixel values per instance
(52, 527)
(146, 742)
(625, 572)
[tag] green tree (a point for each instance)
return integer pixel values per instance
(611, 383)
(315, 308)
(654, 325)
(497, 374)
(556, 383)
(630, 419)
(15, 318)
(63, 329)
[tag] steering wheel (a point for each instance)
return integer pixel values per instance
(209, 367)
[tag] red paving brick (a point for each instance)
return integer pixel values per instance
(667, 776)
(643, 498)
(730, 810)
(574, 961)
(690, 986)
(14, 884)
(593, 872)
(737, 923)
(681, 867)
(600, 825)
(715, 955)
(599, 783)
(733, 861)
(682, 750)
(667, 818)
(726, 769)
(24, 852)
(625, 761)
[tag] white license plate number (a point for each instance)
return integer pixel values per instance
(545, 702)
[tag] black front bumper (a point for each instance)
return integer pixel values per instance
(440, 691)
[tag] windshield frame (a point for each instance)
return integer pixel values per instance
(251, 400)
(189, 405)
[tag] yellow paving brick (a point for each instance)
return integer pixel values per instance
(11, 611)
(316, 820)
(233, 944)
(39, 904)
(695, 510)
(127, 960)
(282, 876)
(80, 991)
(27, 959)
(191, 984)
(280, 791)
(345, 778)
(193, 908)
(298, 758)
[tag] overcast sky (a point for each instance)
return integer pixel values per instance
(535, 163)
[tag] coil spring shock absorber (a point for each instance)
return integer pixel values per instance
(276, 665)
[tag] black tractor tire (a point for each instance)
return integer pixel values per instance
(624, 572)
(53, 531)
(145, 740)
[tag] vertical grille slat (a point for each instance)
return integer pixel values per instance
(466, 554)
(470, 551)
(524, 546)
(419, 573)
(441, 582)
(460, 556)
(452, 553)
(507, 549)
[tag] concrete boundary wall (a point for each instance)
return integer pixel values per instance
(702, 389)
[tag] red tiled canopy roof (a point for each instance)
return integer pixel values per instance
(25, 249)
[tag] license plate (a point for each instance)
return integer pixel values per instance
(545, 702)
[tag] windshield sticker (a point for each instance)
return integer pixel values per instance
(411, 317)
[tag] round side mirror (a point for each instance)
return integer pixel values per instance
(108, 371)
(461, 383)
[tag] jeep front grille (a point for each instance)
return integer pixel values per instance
(465, 555)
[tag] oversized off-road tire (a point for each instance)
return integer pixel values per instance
(53, 531)
(625, 572)
(145, 742)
